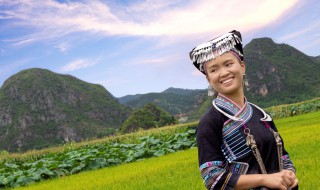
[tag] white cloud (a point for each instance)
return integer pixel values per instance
(156, 61)
(314, 26)
(52, 19)
(152, 5)
(63, 47)
(147, 61)
(21, 41)
(78, 64)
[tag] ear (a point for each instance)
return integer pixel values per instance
(243, 67)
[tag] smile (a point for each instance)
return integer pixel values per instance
(227, 81)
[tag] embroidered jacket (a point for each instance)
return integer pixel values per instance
(222, 150)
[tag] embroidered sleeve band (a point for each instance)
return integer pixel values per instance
(216, 176)
(287, 163)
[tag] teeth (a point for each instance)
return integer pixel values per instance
(226, 81)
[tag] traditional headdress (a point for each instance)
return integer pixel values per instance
(204, 52)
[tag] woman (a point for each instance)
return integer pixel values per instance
(238, 144)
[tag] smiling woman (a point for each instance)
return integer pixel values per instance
(239, 146)
(225, 74)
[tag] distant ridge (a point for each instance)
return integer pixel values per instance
(128, 98)
(176, 101)
(179, 91)
(316, 59)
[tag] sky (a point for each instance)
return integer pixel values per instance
(141, 46)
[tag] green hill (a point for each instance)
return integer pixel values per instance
(127, 98)
(279, 73)
(173, 100)
(39, 108)
(316, 59)
(150, 116)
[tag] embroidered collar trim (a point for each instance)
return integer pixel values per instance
(237, 117)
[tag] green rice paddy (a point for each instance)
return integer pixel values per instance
(179, 170)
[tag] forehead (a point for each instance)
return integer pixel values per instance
(221, 59)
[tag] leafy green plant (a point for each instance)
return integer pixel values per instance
(15, 173)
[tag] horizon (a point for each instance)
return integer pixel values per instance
(110, 92)
(139, 47)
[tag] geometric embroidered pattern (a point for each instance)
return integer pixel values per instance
(234, 144)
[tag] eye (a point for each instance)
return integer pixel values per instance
(229, 64)
(212, 70)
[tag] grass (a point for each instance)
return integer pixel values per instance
(180, 170)
(302, 139)
(174, 171)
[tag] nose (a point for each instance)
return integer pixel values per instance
(224, 72)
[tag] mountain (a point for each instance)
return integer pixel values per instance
(316, 59)
(149, 116)
(39, 108)
(277, 74)
(180, 91)
(128, 98)
(173, 100)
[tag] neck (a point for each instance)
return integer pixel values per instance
(238, 98)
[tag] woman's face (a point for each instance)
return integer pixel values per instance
(225, 74)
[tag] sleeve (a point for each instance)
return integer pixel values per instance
(287, 162)
(213, 165)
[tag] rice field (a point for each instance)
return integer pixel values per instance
(180, 170)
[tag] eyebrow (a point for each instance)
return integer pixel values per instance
(230, 59)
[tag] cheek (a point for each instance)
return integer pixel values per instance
(212, 78)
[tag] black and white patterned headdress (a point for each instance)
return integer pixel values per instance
(204, 52)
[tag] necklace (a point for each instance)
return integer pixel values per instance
(251, 142)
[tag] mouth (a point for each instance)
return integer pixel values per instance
(228, 80)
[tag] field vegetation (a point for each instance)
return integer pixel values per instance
(19, 171)
(300, 134)
(180, 170)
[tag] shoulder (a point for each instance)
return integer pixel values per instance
(259, 112)
(256, 112)
(211, 120)
(211, 115)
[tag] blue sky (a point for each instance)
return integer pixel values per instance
(141, 46)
